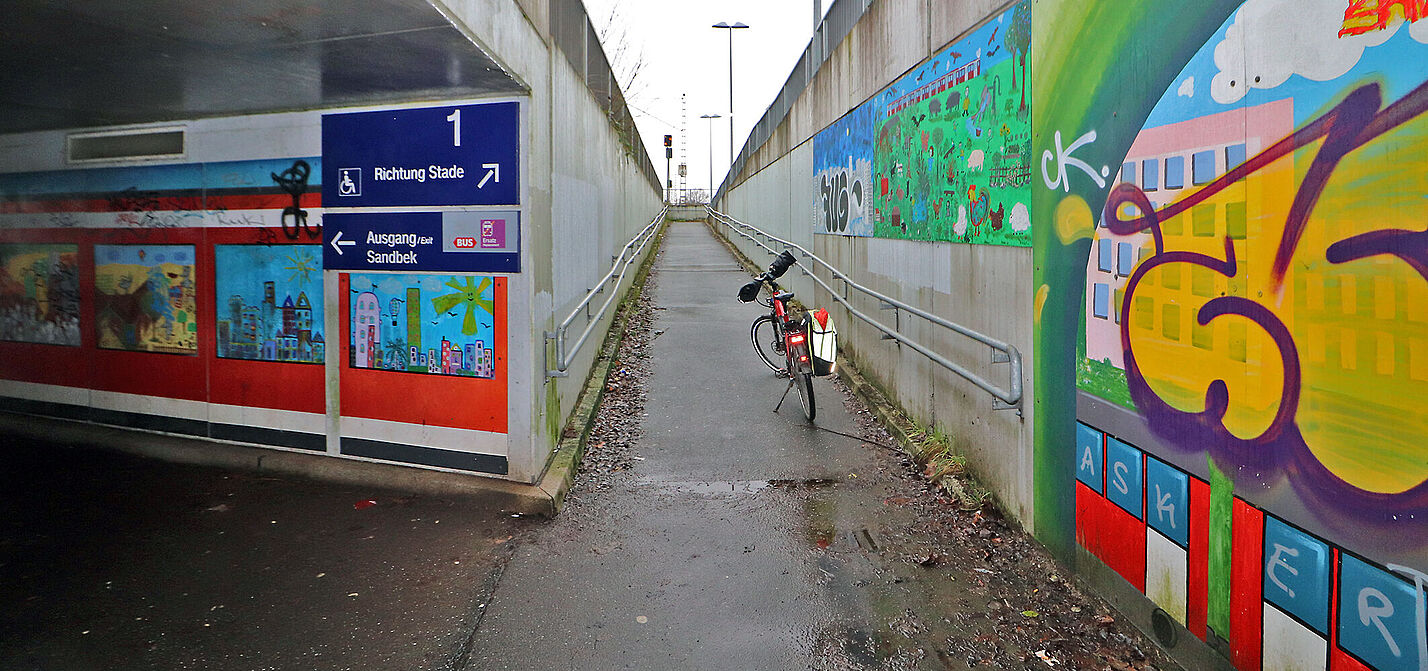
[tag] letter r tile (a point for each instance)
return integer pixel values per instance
(1378, 616)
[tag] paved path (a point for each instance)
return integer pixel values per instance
(110, 561)
(705, 556)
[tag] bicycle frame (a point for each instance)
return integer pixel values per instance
(790, 336)
(792, 333)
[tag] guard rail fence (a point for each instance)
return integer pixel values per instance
(1008, 397)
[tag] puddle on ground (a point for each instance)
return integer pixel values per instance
(738, 487)
(714, 488)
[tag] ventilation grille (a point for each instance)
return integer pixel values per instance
(143, 143)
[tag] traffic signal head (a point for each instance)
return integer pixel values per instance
(669, 140)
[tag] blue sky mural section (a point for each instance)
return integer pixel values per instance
(843, 164)
(269, 302)
(1378, 55)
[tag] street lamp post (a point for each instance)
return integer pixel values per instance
(731, 28)
(711, 118)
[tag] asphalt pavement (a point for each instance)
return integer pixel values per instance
(112, 561)
(705, 555)
(706, 531)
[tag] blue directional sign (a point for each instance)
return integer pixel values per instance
(485, 241)
(429, 156)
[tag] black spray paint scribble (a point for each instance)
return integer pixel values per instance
(293, 181)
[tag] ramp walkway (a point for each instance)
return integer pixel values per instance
(719, 550)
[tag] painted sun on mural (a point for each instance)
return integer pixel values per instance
(438, 325)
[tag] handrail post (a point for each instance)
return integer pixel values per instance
(620, 263)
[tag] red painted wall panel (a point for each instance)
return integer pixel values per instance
(436, 400)
(1246, 595)
(1087, 519)
(260, 384)
(1112, 534)
(55, 364)
(1198, 559)
(198, 377)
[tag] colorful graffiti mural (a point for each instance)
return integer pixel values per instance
(1236, 248)
(144, 298)
(39, 294)
(941, 154)
(439, 325)
(269, 302)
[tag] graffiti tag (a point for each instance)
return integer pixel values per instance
(1064, 159)
(1366, 16)
(1351, 124)
(293, 181)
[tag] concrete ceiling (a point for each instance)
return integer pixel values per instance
(82, 63)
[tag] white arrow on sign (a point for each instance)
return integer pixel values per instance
(337, 240)
(492, 170)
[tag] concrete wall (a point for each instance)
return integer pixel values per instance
(587, 188)
(1248, 363)
(983, 287)
(591, 184)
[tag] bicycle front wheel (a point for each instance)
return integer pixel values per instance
(768, 342)
(804, 382)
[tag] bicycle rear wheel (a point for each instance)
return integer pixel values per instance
(804, 383)
(768, 342)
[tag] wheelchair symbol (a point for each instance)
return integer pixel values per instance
(349, 182)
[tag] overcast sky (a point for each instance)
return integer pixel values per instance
(682, 54)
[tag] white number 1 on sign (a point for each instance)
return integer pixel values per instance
(455, 119)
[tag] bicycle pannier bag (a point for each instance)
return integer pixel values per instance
(823, 342)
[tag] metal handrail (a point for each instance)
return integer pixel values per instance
(622, 265)
(1011, 396)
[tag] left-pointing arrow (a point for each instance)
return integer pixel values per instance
(337, 240)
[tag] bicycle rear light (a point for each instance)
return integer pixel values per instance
(795, 338)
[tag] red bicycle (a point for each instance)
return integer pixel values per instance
(780, 337)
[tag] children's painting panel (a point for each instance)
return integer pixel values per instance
(427, 324)
(943, 153)
(144, 298)
(269, 303)
(39, 293)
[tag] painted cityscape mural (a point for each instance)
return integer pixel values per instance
(944, 153)
(144, 298)
(269, 302)
(39, 294)
(1236, 248)
(433, 324)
